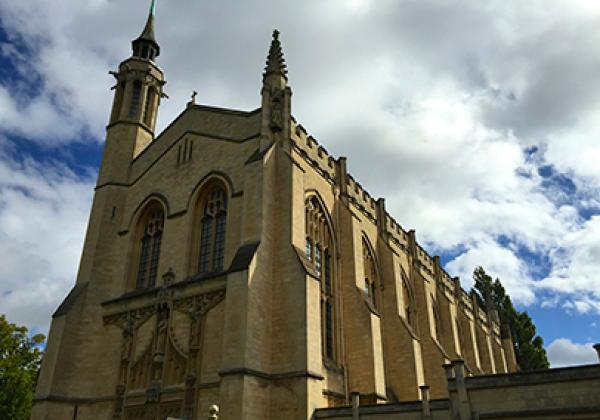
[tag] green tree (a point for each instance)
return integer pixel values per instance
(20, 359)
(529, 347)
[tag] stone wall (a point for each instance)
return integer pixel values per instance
(549, 394)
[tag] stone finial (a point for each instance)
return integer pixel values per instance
(214, 412)
(275, 61)
(342, 174)
(457, 288)
(412, 243)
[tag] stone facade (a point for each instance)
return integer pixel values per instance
(231, 260)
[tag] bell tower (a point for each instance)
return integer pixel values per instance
(138, 91)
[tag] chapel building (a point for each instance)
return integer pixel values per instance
(231, 261)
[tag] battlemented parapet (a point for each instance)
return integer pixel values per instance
(397, 237)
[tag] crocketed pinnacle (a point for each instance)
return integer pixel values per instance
(275, 61)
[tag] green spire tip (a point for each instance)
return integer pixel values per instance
(153, 8)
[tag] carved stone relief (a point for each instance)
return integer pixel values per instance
(159, 347)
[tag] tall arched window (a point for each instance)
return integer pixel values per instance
(319, 250)
(213, 227)
(437, 321)
(150, 238)
(408, 301)
(370, 274)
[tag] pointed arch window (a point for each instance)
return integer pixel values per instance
(319, 250)
(213, 229)
(408, 301)
(149, 247)
(437, 321)
(370, 274)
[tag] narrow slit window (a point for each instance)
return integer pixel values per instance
(135, 99)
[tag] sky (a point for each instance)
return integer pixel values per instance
(479, 122)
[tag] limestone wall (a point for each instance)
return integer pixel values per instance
(449, 324)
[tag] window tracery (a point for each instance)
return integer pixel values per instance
(319, 250)
(149, 247)
(213, 229)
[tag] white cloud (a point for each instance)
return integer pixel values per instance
(575, 267)
(43, 214)
(498, 262)
(564, 352)
(432, 101)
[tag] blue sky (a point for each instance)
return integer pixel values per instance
(478, 121)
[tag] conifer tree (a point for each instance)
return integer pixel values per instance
(529, 347)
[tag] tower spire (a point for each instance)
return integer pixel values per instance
(145, 46)
(275, 61)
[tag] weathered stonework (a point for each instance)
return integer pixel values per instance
(287, 321)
